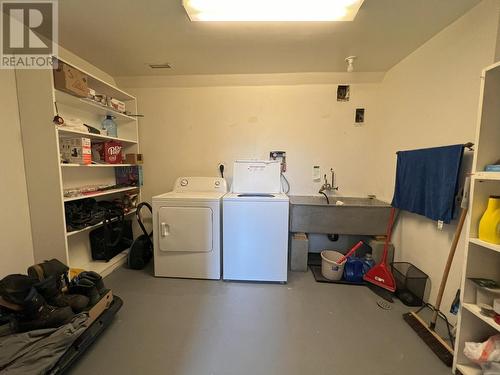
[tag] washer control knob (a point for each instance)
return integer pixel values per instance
(217, 183)
(184, 182)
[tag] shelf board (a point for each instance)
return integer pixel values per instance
(101, 193)
(88, 105)
(476, 310)
(70, 165)
(104, 268)
(492, 176)
(485, 244)
(469, 370)
(71, 133)
(86, 229)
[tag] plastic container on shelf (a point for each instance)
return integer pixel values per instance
(110, 126)
(490, 221)
(410, 283)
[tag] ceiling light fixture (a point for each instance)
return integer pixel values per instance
(350, 63)
(272, 10)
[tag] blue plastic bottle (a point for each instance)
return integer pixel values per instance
(110, 126)
(368, 262)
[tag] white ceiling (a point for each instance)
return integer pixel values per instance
(123, 36)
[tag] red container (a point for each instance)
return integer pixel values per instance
(113, 152)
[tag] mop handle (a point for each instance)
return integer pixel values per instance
(349, 253)
(388, 236)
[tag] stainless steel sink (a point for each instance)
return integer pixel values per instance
(344, 215)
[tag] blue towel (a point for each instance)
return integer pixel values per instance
(427, 181)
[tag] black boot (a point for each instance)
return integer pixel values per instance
(86, 288)
(96, 280)
(14, 288)
(52, 267)
(37, 314)
(51, 292)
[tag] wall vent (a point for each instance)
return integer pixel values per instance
(160, 66)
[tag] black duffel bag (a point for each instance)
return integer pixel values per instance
(113, 237)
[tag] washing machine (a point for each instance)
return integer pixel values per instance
(187, 229)
(255, 224)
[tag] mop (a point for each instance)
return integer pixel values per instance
(380, 275)
(428, 332)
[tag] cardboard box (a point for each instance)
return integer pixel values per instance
(129, 176)
(109, 152)
(113, 152)
(117, 105)
(76, 150)
(70, 80)
(99, 307)
(133, 158)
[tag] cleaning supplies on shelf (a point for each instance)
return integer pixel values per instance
(489, 229)
(109, 126)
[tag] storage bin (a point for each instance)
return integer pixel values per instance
(330, 269)
(410, 283)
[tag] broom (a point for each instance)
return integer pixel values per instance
(380, 275)
(428, 332)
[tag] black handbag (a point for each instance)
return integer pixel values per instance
(113, 237)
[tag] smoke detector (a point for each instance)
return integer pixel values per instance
(350, 63)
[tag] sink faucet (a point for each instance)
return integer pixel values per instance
(327, 186)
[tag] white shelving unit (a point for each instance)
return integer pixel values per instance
(47, 177)
(482, 259)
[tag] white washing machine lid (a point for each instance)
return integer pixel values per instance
(256, 176)
(191, 195)
(196, 188)
(244, 197)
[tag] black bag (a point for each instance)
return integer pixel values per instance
(113, 237)
(141, 250)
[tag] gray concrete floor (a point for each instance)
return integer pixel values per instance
(198, 327)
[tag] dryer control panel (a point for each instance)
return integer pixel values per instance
(201, 184)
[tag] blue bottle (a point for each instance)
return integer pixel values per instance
(110, 126)
(368, 262)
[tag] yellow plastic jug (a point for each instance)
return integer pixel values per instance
(489, 225)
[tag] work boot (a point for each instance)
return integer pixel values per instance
(85, 287)
(96, 280)
(37, 314)
(52, 267)
(51, 292)
(14, 288)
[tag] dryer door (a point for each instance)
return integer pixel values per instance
(185, 229)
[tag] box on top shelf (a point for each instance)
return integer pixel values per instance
(70, 80)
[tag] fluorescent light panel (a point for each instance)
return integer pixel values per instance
(272, 10)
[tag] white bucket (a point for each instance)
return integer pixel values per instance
(330, 269)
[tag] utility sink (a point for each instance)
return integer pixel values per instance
(344, 215)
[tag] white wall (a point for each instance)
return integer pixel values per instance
(430, 99)
(189, 130)
(16, 248)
